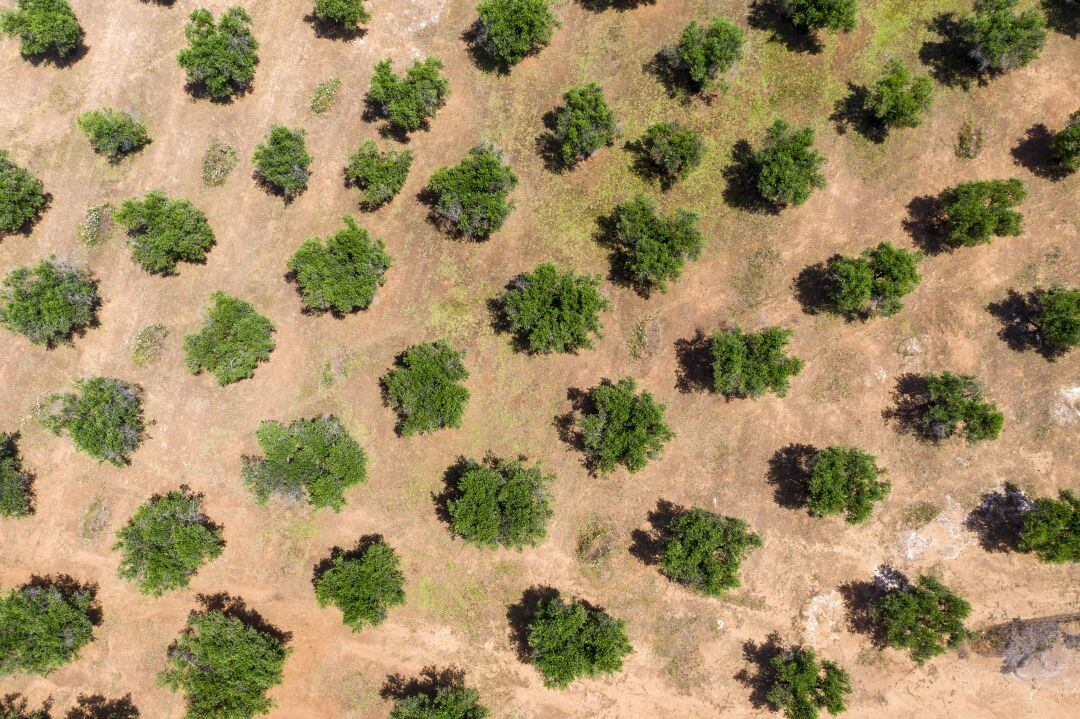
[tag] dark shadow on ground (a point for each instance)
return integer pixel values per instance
(646, 545)
(999, 518)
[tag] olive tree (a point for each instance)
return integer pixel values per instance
(1065, 144)
(953, 401)
(651, 248)
(976, 211)
(669, 151)
(469, 198)
(704, 550)
(500, 502)
(424, 388)
(1052, 528)
(45, 624)
(43, 27)
(704, 52)
(49, 302)
(313, 460)
(1057, 318)
(872, 284)
(342, 273)
(103, 417)
(22, 196)
(445, 702)
(787, 167)
(220, 58)
(364, 584)
(282, 161)
(164, 231)
(999, 39)
(167, 541)
(570, 640)
(553, 311)
(113, 133)
(508, 31)
(380, 174)
(899, 99)
(346, 15)
(844, 480)
(16, 484)
(408, 102)
(801, 686)
(583, 124)
(814, 15)
(924, 618)
(234, 339)
(752, 364)
(623, 427)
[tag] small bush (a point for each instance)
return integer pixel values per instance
(447, 702)
(1065, 145)
(872, 284)
(314, 460)
(44, 625)
(220, 58)
(408, 103)
(704, 551)
(974, 212)
(583, 124)
(845, 480)
(899, 99)
(220, 159)
(16, 484)
(501, 502)
(97, 224)
(552, 311)
(166, 541)
(813, 15)
(749, 365)
(969, 141)
(43, 27)
(22, 196)
(363, 584)
(348, 15)
(224, 666)
(652, 248)
(509, 30)
(1057, 318)
(470, 197)
(670, 151)
(324, 96)
(424, 388)
(924, 618)
(1052, 528)
(999, 39)
(232, 342)
(569, 640)
(705, 52)
(113, 133)
(624, 427)
(954, 400)
(50, 302)
(148, 343)
(801, 687)
(787, 166)
(103, 416)
(282, 161)
(380, 174)
(343, 274)
(164, 232)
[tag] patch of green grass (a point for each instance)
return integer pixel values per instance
(148, 343)
(595, 542)
(324, 96)
(899, 29)
(920, 513)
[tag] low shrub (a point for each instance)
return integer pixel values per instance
(220, 159)
(380, 174)
(148, 343)
(424, 388)
(363, 584)
(113, 133)
(623, 427)
(50, 302)
(752, 364)
(500, 502)
(552, 311)
(164, 231)
(103, 416)
(97, 224)
(233, 341)
(325, 95)
(704, 551)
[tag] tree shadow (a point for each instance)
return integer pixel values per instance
(617, 5)
(272, 189)
(999, 518)
(949, 57)
(68, 586)
(860, 596)
(519, 616)
(473, 37)
(760, 677)
(236, 608)
(96, 706)
(789, 473)
(741, 191)
(451, 489)
(330, 30)
(16, 706)
(547, 145)
(924, 223)
(645, 168)
(1063, 16)
(693, 364)
(810, 286)
(1035, 153)
(671, 72)
(850, 112)
(428, 683)
(61, 62)
(357, 552)
(910, 401)
(647, 545)
(566, 425)
(769, 15)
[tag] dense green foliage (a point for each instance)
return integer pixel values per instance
(583, 124)
(164, 232)
(787, 166)
(49, 302)
(569, 640)
(44, 27)
(380, 174)
(470, 197)
(751, 364)
(501, 502)
(22, 196)
(44, 625)
(224, 667)
(704, 550)
(1057, 318)
(975, 211)
(952, 400)
(802, 687)
(233, 341)
(811, 15)
(845, 480)
(346, 14)
(113, 133)
(1065, 145)
(623, 427)
(282, 161)
(552, 311)
(873, 283)
(16, 493)
(651, 248)
(344, 273)
(408, 103)
(707, 51)
(446, 703)
(363, 584)
(509, 30)
(924, 618)
(1000, 39)
(1052, 528)
(424, 388)
(312, 459)
(220, 58)
(103, 416)
(166, 541)
(670, 151)
(898, 99)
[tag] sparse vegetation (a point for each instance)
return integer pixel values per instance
(49, 302)
(500, 502)
(103, 416)
(22, 196)
(97, 225)
(380, 174)
(787, 167)
(324, 96)
(510, 30)
(652, 248)
(16, 484)
(343, 273)
(623, 427)
(873, 283)
(954, 400)
(899, 99)
(670, 151)
(220, 58)
(969, 141)
(552, 311)
(999, 39)
(470, 197)
(704, 551)
(801, 686)
(974, 212)
(751, 364)
(408, 103)
(1066, 144)
(570, 640)
(363, 584)
(233, 341)
(1052, 528)
(113, 133)
(844, 480)
(44, 28)
(583, 124)
(148, 343)
(164, 231)
(424, 388)
(44, 625)
(220, 159)
(924, 618)
(282, 161)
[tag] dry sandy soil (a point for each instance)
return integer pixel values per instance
(688, 649)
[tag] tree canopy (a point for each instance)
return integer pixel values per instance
(22, 196)
(342, 273)
(953, 400)
(802, 687)
(924, 618)
(234, 339)
(380, 174)
(1065, 145)
(43, 27)
(509, 30)
(898, 98)
(424, 388)
(469, 198)
(446, 702)
(669, 151)
(282, 161)
(845, 480)
(220, 58)
(103, 416)
(623, 427)
(348, 15)
(553, 311)
(651, 248)
(363, 584)
(1052, 528)
(999, 39)
(408, 102)
(583, 124)
(44, 625)
(976, 211)
(49, 302)
(751, 364)
(164, 232)
(787, 167)
(1057, 318)
(813, 15)
(872, 284)
(500, 502)
(704, 52)
(16, 484)
(113, 133)
(569, 640)
(704, 550)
